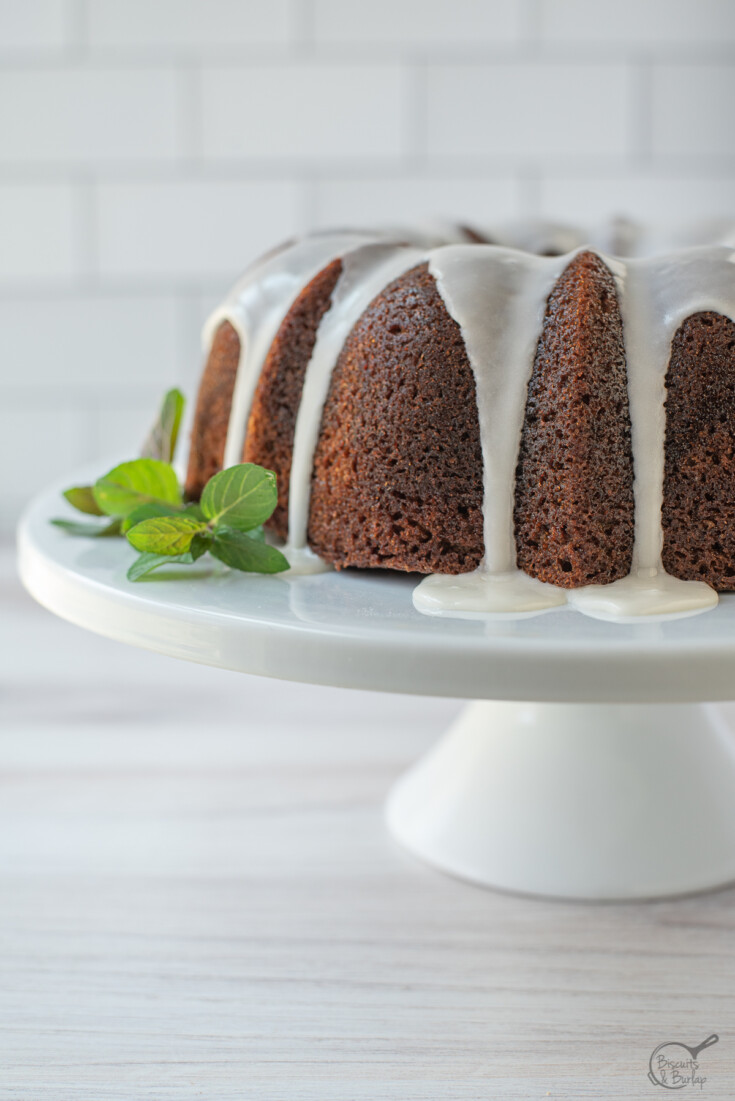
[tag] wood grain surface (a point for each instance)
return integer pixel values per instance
(198, 899)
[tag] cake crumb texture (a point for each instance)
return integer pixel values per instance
(574, 513)
(272, 422)
(699, 473)
(212, 413)
(397, 480)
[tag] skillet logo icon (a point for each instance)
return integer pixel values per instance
(674, 1065)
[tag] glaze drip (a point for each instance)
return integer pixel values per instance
(497, 296)
(365, 273)
(256, 307)
(656, 296)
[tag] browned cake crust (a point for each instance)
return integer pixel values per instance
(213, 410)
(270, 434)
(397, 477)
(574, 482)
(699, 475)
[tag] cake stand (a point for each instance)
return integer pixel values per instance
(587, 767)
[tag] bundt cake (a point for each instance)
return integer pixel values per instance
(527, 428)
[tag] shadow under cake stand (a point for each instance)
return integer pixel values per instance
(610, 780)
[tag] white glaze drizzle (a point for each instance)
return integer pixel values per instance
(256, 307)
(498, 297)
(656, 296)
(365, 273)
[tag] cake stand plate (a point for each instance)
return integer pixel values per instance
(611, 780)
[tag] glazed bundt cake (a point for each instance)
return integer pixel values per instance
(527, 428)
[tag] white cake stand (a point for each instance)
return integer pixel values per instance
(609, 781)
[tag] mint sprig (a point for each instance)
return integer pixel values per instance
(242, 552)
(142, 499)
(160, 444)
(147, 562)
(166, 534)
(161, 440)
(82, 499)
(77, 527)
(241, 497)
(234, 506)
(141, 482)
(151, 509)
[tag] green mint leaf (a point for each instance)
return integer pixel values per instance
(258, 534)
(161, 440)
(148, 512)
(238, 550)
(241, 497)
(147, 562)
(82, 499)
(136, 483)
(76, 527)
(200, 544)
(165, 534)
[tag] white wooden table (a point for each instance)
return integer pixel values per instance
(198, 899)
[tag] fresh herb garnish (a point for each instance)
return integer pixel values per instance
(151, 509)
(141, 482)
(161, 440)
(240, 496)
(143, 500)
(82, 498)
(160, 444)
(76, 527)
(146, 563)
(242, 552)
(166, 534)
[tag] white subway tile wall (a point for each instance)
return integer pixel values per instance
(631, 23)
(304, 113)
(170, 25)
(87, 115)
(33, 26)
(37, 231)
(150, 148)
(395, 200)
(692, 110)
(413, 24)
(187, 230)
(543, 110)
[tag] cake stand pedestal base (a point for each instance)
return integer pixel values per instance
(584, 801)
